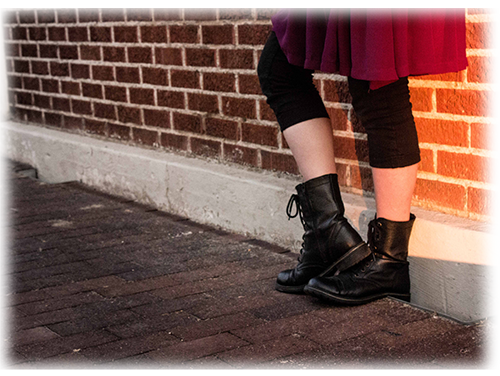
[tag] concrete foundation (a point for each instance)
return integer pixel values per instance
(449, 256)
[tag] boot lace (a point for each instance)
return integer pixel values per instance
(294, 199)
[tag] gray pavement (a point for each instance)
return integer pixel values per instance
(102, 282)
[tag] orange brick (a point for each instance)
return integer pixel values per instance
(442, 132)
(427, 160)
(440, 193)
(452, 76)
(463, 166)
(480, 136)
(421, 98)
(338, 118)
(479, 69)
(479, 201)
(350, 148)
(462, 102)
(361, 177)
(479, 35)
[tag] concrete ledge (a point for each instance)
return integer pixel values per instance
(449, 255)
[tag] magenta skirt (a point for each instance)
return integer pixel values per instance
(373, 44)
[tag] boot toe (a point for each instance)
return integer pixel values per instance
(323, 287)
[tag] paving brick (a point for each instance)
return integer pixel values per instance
(197, 348)
(33, 335)
(258, 353)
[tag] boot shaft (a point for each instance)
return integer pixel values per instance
(390, 238)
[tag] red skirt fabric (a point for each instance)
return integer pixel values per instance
(371, 44)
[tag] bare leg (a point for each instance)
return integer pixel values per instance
(393, 191)
(311, 142)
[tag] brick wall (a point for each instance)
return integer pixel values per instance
(185, 80)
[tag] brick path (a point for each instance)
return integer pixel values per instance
(99, 281)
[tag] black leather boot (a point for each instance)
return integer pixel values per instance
(384, 273)
(330, 242)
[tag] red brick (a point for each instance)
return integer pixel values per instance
(81, 107)
(154, 34)
(184, 122)
(100, 34)
(19, 33)
(361, 177)
(168, 56)
(218, 34)
(421, 99)
(119, 132)
(127, 74)
(66, 15)
(206, 148)
(338, 118)
(72, 88)
(141, 96)
(139, 14)
(440, 193)
(61, 104)
(140, 55)
(172, 99)
(221, 128)
(103, 110)
(46, 16)
(125, 34)
(80, 71)
(68, 52)
(259, 134)
(78, 34)
(95, 127)
(236, 59)
(50, 86)
(279, 162)
(26, 16)
(184, 34)
(102, 73)
(427, 160)
(31, 83)
(462, 102)
(187, 79)
(336, 91)
(174, 141)
(444, 132)
(266, 112)
(193, 14)
(166, 14)
(481, 136)
(90, 53)
(241, 154)
(39, 67)
(37, 33)
(253, 34)
(57, 34)
(203, 102)
(479, 69)
(479, 35)
(115, 54)
(463, 166)
(157, 118)
(115, 93)
(155, 76)
(112, 15)
(351, 148)
(29, 50)
(129, 115)
(241, 107)
(145, 136)
(88, 15)
(48, 50)
(479, 201)
(235, 14)
(200, 57)
(219, 82)
(53, 119)
(21, 66)
(249, 84)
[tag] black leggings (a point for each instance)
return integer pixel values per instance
(385, 113)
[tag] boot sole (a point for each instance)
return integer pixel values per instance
(290, 289)
(353, 301)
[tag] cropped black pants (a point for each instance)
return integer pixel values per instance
(385, 113)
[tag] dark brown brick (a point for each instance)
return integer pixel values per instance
(37, 33)
(127, 74)
(140, 55)
(221, 128)
(336, 91)
(15, 81)
(48, 50)
(106, 111)
(19, 33)
(94, 127)
(119, 131)
(12, 49)
(241, 154)
(249, 84)
(68, 52)
(185, 122)
(253, 34)
(59, 69)
(200, 57)
(57, 33)
(68, 87)
(24, 98)
(115, 93)
(145, 136)
(112, 15)
(61, 104)
(26, 16)
(46, 16)
(241, 107)
(90, 53)
(125, 34)
(81, 107)
(172, 99)
(206, 148)
(187, 79)
(157, 118)
(168, 56)
(80, 71)
(184, 34)
(279, 162)
(218, 34)
(31, 83)
(154, 76)
(219, 82)
(100, 34)
(236, 59)
(73, 122)
(266, 113)
(78, 34)
(129, 115)
(21, 66)
(29, 50)
(88, 15)
(53, 119)
(50, 86)
(174, 141)
(66, 15)
(203, 102)
(102, 73)
(91, 90)
(115, 54)
(154, 34)
(259, 134)
(141, 96)
(35, 116)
